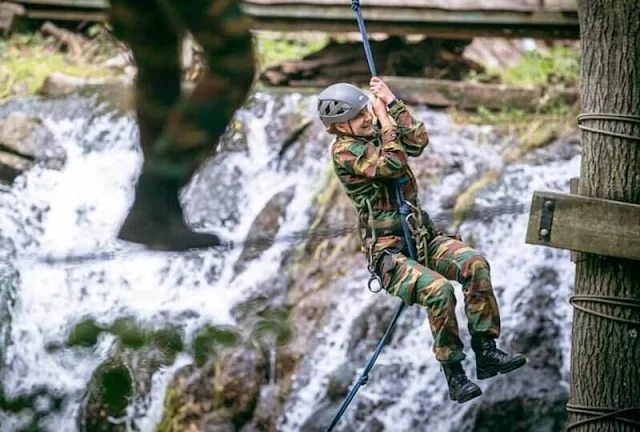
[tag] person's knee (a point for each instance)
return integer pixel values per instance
(474, 266)
(436, 293)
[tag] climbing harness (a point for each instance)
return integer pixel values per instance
(405, 212)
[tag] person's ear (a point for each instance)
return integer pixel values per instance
(341, 127)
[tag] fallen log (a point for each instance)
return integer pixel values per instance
(431, 58)
(470, 95)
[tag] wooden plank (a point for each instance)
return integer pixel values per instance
(560, 5)
(67, 15)
(447, 5)
(450, 5)
(585, 224)
(401, 15)
(98, 4)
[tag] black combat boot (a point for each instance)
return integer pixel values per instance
(156, 219)
(490, 361)
(460, 388)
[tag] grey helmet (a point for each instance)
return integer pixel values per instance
(340, 103)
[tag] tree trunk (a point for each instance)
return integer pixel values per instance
(605, 365)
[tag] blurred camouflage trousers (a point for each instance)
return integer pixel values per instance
(153, 29)
(449, 259)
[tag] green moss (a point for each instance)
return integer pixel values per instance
(27, 59)
(173, 416)
(32, 71)
(561, 65)
(273, 48)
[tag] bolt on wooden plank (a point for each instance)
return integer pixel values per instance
(584, 224)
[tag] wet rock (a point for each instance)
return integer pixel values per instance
(9, 282)
(528, 401)
(12, 165)
(264, 228)
(119, 392)
(25, 140)
(215, 195)
(59, 84)
(266, 412)
(28, 136)
(230, 380)
(538, 334)
(325, 413)
(341, 381)
(320, 420)
(106, 398)
(368, 328)
(564, 148)
(218, 421)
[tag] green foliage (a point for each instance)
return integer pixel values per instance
(274, 48)
(84, 334)
(210, 339)
(560, 66)
(168, 339)
(131, 334)
(116, 388)
(275, 325)
(27, 59)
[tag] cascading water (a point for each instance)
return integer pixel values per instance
(79, 208)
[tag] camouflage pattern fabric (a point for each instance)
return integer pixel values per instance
(366, 169)
(178, 133)
(449, 259)
(177, 137)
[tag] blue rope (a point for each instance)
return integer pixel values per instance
(404, 211)
(355, 5)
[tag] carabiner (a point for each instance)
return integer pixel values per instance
(374, 277)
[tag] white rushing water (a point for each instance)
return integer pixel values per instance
(85, 202)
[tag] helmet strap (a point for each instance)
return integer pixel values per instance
(351, 128)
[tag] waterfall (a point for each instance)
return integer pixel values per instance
(78, 209)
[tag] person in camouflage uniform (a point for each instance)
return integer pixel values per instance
(367, 161)
(177, 135)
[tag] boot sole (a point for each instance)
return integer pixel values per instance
(513, 365)
(467, 396)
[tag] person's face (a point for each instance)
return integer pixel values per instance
(361, 125)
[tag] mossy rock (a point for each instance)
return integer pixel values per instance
(107, 396)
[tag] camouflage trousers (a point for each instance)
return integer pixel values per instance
(177, 134)
(449, 260)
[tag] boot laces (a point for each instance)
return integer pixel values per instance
(490, 351)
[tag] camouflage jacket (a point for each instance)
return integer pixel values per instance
(367, 169)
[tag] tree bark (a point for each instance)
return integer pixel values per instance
(605, 363)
